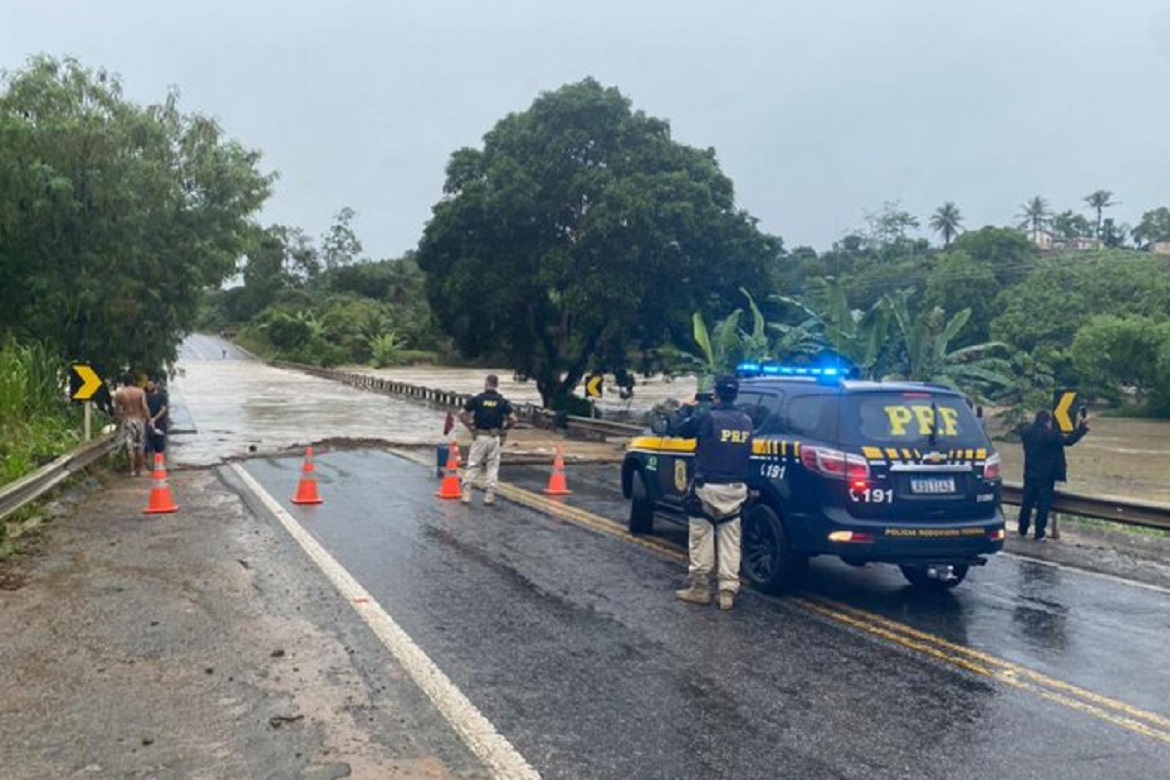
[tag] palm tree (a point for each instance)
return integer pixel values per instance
(947, 221)
(1035, 217)
(1099, 201)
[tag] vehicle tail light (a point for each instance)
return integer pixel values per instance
(998, 535)
(993, 467)
(850, 536)
(835, 464)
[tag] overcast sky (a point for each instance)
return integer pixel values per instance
(819, 110)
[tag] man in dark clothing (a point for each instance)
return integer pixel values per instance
(158, 404)
(718, 491)
(487, 415)
(1044, 465)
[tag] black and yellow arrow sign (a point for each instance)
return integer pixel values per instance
(84, 382)
(1063, 402)
(593, 388)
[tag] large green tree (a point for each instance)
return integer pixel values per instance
(581, 233)
(113, 216)
(1154, 227)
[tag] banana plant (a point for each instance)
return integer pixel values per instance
(976, 370)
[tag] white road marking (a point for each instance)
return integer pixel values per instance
(477, 732)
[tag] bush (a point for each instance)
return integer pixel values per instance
(36, 421)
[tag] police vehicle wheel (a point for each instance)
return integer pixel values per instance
(767, 560)
(919, 578)
(641, 506)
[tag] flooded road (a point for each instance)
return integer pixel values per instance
(273, 409)
(238, 406)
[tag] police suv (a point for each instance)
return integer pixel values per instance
(899, 473)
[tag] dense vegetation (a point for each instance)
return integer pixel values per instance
(580, 237)
(326, 304)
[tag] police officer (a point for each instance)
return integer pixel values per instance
(718, 491)
(1044, 466)
(488, 416)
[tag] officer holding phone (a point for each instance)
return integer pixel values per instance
(1044, 466)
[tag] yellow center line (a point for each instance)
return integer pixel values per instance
(1102, 707)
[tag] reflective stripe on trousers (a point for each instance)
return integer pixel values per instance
(715, 546)
(484, 456)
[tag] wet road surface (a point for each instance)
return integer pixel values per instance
(570, 642)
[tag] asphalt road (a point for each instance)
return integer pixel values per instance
(563, 633)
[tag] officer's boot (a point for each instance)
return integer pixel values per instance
(465, 495)
(489, 498)
(699, 591)
(726, 599)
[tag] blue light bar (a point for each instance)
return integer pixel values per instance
(752, 368)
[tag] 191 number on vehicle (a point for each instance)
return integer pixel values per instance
(872, 496)
(773, 470)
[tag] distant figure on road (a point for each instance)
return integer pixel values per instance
(488, 416)
(1044, 465)
(717, 492)
(131, 412)
(158, 404)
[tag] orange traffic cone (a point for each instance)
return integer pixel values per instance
(556, 482)
(307, 487)
(450, 487)
(161, 502)
(455, 452)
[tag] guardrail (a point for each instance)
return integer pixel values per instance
(30, 487)
(1127, 511)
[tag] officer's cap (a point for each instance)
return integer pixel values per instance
(727, 386)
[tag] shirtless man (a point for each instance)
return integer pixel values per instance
(131, 412)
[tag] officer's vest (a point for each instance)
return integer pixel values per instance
(725, 454)
(488, 412)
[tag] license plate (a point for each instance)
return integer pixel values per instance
(932, 486)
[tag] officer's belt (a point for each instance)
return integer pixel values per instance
(486, 432)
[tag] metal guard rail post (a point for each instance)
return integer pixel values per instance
(31, 486)
(1128, 511)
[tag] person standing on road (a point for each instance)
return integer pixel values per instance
(488, 416)
(717, 492)
(1044, 466)
(131, 412)
(158, 404)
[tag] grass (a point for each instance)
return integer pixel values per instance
(1097, 524)
(37, 423)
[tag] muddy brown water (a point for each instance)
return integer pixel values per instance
(1119, 457)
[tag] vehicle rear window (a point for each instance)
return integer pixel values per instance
(906, 419)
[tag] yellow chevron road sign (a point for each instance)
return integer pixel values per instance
(1063, 402)
(84, 383)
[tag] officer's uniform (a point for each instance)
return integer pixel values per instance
(489, 413)
(1044, 466)
(716, 499)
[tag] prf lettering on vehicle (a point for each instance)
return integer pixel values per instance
(919, 419)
